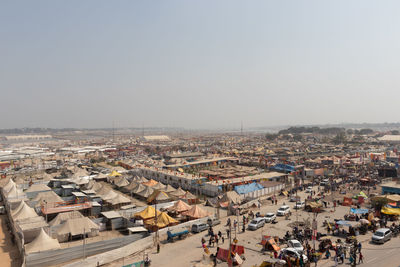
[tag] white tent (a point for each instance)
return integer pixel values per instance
(14, 192)
(119, 199)
(64, 216)
(77, 226)
(9, 186)
(42, 242)
(25, 212)
(110, 195)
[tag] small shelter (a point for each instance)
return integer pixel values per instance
(163, 220)
(147, 213)
(77, 226)
(169, 189)
(179, 206)
(64, 216)
(158, 197)
(196, 212)
(24, 212)
(114, 174)
(146, 192)
(151, 183)
(42, 242)
(178, 192)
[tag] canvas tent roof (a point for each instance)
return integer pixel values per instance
(130, 186)
(169, 188)
(15, 192)
(231, 196)
(49, 197)
(64, 216)
(109, 195)
(179, 206)
(196, 212)
(24, 212)
(114, 173)
(147, 213)
(158, 196)
(146, 192)
(163, 220)
(9, 185)
(121, 182)
(77, 226)
(18, 208)
(42, 242)
(178, 192)
(119, 199)
(151, 183)
(138, 188)
(188, 195)
(159, 186)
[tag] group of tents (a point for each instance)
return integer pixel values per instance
(154, 219)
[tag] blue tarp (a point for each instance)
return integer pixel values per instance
(247, 188)
(344, 223)
(358, 211)
(283, 167)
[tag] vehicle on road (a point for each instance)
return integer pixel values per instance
(299, 205)
(199, 227)
(294, 198)
(291, 252)
(309, 189)
(283, 210)
(382, 235)
(256, 223)
(213, 221)
(295, 245)
(269, 217)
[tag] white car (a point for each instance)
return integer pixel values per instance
(256, 223)
(299, 205)
(269, 217)
(291, 252)
(309, 189)
(283, 210)
(296, 245)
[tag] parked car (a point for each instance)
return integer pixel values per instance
(299, 205)
(296, 245)
(309, 189)
(382, 235)
(199, 227)
(213, 221)
(283, 210)
(294, 198)
(269, 217)
(256, 223)
(291, 252)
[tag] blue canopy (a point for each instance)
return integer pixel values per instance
(247, 188)
(358, 211)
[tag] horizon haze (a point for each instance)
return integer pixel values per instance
(198, 65)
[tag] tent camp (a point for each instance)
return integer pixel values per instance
(119, 200)
(159, 186)
(169, 189)
(179, 206)
(64, 216)
(114, 174)
(163, 220)
(46, 197)
(138, 188)
(196, 212)
(158, 196)
(178, 192)
(232, 197)
(42, 242)
(146, 192)
(151, 183)
(147, 213)
(24, 212)
(77, 226)
(121, 182)
(131, 186)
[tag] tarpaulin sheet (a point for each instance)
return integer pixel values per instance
(247, 188)
(390, 211)
(283, 167)
(358, 211)
(237, 249)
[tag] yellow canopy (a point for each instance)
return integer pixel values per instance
(390, 211)
(147, 213)
(163, 220)
(115, 173)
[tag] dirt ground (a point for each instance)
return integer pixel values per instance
(9, 254)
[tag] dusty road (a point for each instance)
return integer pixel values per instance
(9, 255)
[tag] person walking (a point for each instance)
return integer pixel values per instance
(361, 258)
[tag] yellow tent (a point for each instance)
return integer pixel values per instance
(163, 220)
(147, 213)
(390, 211)
(114, 173)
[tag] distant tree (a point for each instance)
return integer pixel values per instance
(297, 137)
(366, 131)
(350, 131)
(395, 132)
(340, 138)
(271, 137)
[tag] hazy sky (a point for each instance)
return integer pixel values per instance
(198, 64)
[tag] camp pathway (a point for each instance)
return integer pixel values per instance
(9, 255)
